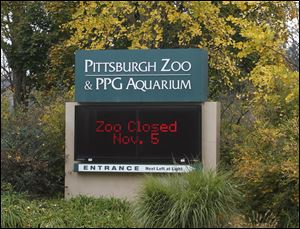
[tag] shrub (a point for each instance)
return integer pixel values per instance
(195, 199)
(32, 146)
(268, 164)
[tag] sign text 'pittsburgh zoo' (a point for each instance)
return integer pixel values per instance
(160, 75)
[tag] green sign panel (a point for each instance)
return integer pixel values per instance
(157, 75)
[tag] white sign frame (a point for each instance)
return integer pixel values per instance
(131, 168)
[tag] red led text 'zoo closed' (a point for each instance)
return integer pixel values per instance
(135, 132)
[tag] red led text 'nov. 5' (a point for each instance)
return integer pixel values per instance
(135, 127)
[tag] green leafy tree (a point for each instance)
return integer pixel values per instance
(28, 30)
(25, 42)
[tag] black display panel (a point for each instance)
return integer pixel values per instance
(138, 134)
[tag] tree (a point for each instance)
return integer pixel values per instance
(60, 72)
(24, 31)
(239, 36)
(28, 31)
(142, 25)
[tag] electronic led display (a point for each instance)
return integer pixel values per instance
(138, 134)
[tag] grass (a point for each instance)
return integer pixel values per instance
(18, 211)
(192, 200)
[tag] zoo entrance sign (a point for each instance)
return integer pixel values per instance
(160, 75)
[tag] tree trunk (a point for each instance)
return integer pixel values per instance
(19, 84)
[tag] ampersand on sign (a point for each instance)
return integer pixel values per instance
(88, 86)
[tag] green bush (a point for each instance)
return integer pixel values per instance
(32, 146)
(195, 199)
